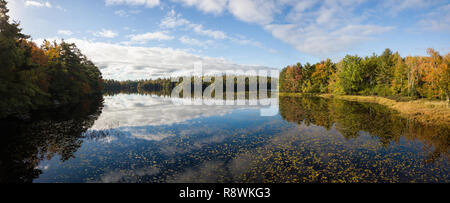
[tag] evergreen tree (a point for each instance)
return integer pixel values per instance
(32, 77)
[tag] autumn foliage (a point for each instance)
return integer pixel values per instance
(32, 77)
(386, 75)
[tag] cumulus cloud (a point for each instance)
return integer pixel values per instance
(121, 13)
(437, 20)
(123, 62)
(105, 33)
(325, 28)
(207, 6)
(130, 112)
(254, 11)
(143, 38)
(396, 6)
(147, 3)
(38, 4)
(174, 20)
(314, 27)
(195, 42)
(65, 32)
(207, 32)
(319, 42)
(124, 13)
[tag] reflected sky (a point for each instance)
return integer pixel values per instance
(143, 138)
(140, 115)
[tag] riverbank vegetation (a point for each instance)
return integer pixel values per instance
(33, 77)
(163, 86)
(415, 86)
(386, 75)
(166, 85)
(421, 110)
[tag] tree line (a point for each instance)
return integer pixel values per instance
(33, 77)
(386, 75)
(133, 86)
(166, 85)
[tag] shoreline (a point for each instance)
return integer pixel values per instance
(423, 111)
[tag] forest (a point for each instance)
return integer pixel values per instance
(166, 85)
(33, 77)
(132, 86)
(385, 75)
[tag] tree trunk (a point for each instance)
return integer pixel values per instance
(448, 98)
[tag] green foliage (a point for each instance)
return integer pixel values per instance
(351, 74)
(72, 75)
(400, 81)
(386, 75)
(384, 69)
(165, 86)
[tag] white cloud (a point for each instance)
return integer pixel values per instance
(207, 6)
(254, 11)
(61, 8)
(143, 38)
(38, 4)
(147, 3)
(325, 28)
(105, 33)
(321, 43)
(124, 13)
(65, 32)
(314, 27)
(437, 20)
(174, 20)
(195, 42)
(121, 13)
(156, 111)
(396, 6)
(247, 42)
(207, 32)
(123, 62)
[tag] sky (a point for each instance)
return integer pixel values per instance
(139, 39)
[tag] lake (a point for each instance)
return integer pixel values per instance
(148, 138)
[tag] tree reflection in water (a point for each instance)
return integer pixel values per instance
(48, 133)
(331, 141)
(313, 140)
(350, 118)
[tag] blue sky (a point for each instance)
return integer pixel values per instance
(135, 39)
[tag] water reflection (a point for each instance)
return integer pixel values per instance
(145, 138)
(352, 119)
(128, 110)
(47, 134)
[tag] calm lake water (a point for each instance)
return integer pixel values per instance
(146, 138)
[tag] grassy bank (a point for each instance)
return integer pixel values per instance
(422, 110)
